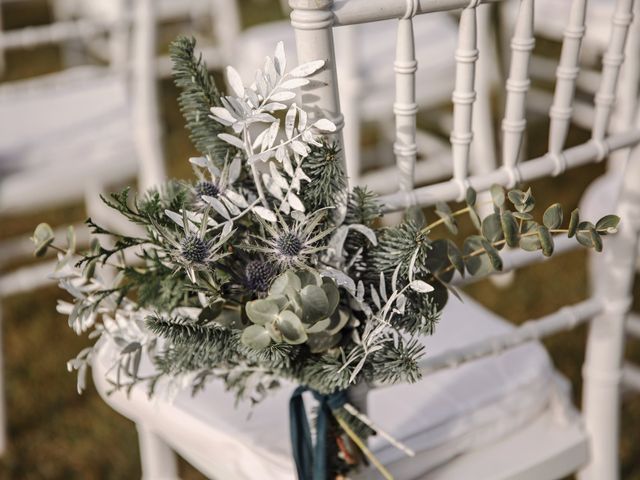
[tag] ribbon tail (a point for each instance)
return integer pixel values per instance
(320, 455)
(301, 443)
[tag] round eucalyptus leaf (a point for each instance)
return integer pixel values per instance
(574, 221)
(475, 218)
(437, 261)
(522, 216)
(493, 255)
(509, 226)
(492, 228)
(273, 331)
(546, 240)
(319, 326)
(478, 263)
(583, 235)
(315, 303)
(261, 311)
(455, 257)
(552, 217)
(443, 208)
(608, 224)
(332, 293)
(596, 239)
(530, 243)
(339, 320)
(43, 236)
(471, 197)
(516, 197)
(256, 336)
(497, 195)
(285, 282)
(308, 277)
(291, 328)
(523, 201)
(439, 296)
(211, 311)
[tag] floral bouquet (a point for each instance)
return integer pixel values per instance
(266, 267)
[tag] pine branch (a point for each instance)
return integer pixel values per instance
(363, 207)
(198, 93)
(328, 183)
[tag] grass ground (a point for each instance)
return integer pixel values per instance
(56, 434)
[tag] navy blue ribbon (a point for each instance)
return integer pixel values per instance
(311, 462)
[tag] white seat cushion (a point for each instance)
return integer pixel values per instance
(435, 40)
(68, 127)
(446, 414)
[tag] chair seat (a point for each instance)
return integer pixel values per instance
(64, 129)
(435, 40)
(447, 414)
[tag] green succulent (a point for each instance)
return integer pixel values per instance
(301, 307)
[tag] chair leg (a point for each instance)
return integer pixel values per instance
(3, 417)
(602, 371)
(157, 460)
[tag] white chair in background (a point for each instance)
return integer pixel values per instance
(66, 136)
(550, 18)
(114, 16)
(502, 411)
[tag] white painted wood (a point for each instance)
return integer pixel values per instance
(612, 60)
(514, 122)
(30, 37)
(566, 74)
(545, 449)
(351, 12)
(564, 319)
(313, 22)
(605, 348)
(157, 459)
(528, 171)
(483, 145)
(463, 97)
(405, 107)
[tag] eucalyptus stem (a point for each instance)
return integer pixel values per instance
(502, 242)
(440, 221)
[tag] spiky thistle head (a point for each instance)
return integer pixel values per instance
(194, 249)
(208, 188)
(258, 275)
(292, 244)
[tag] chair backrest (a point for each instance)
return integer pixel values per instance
(132, 80)
(314, 20)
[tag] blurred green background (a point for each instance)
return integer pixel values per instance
(56, 434)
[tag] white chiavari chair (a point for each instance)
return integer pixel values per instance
(67, 135)
(491, 406)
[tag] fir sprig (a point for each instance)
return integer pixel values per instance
(198, 93)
